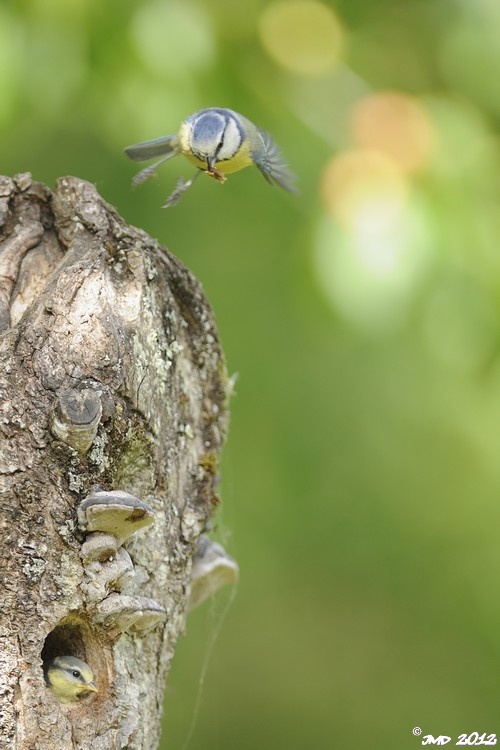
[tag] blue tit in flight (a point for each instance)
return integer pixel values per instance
(218, 141)
(70, 679)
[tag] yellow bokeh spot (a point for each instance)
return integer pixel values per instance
(303, 36)
(370, 278)
(363, 190)
(396, 125)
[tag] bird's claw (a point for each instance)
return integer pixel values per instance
(180, 189)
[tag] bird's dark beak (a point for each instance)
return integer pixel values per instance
(91, 688)
(210, 163)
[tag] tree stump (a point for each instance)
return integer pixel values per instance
(113, 399)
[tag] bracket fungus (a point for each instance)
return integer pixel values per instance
(212, 569)
(98, 547)
(115, 512)
(108, 518)
(110, 575)
(129, 613)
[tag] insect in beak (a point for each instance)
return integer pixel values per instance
(212, 170)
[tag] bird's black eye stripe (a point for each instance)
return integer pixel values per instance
(220, 144)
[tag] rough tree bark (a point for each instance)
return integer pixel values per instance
(111, 377)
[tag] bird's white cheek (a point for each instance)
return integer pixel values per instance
(232, 141)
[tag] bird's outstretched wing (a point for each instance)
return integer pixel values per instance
(273, 166)
(166, 145)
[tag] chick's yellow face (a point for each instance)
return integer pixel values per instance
(70, 679)
(213, 139)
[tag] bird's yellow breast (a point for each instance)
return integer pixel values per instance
(239, 161)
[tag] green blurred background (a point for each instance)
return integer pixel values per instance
(361, 477)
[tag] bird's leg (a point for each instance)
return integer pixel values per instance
(179, 191)
(146, 174)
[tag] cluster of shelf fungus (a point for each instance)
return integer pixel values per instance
(108, 519)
